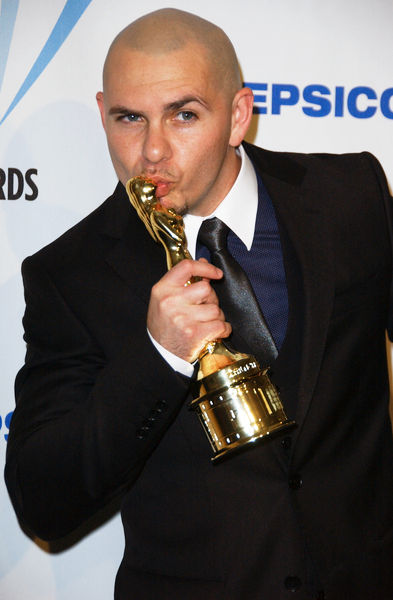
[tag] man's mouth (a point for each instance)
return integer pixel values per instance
(162, 186)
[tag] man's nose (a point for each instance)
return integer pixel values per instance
(156, 146)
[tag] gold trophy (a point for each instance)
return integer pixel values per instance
(235, 400)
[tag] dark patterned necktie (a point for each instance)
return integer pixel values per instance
(236, 296)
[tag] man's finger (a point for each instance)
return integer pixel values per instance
(186, 269)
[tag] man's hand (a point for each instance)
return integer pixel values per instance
(184, 318)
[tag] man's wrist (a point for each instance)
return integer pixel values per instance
(178, 364)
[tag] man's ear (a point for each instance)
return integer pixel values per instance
(241, 115)
(100, 102)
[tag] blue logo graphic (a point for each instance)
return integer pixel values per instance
(316, 100)
(7, 423)
(67, 20)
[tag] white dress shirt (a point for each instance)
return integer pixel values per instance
(238, 211)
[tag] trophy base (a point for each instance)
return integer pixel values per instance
(247, 444)
(238, 406)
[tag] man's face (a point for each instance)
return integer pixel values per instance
(166, 118)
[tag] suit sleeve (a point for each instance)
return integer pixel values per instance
(84, 425)
(388, 203)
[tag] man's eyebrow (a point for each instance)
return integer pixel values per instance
(121, 110)
(177, 104)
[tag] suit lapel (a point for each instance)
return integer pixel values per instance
(134, 256)
(306, 230)
(305, 226)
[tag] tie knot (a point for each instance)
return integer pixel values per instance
(213, 234)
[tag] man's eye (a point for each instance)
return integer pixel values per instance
(132, 117)
(186, 116)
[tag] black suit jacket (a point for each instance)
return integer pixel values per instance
(100, 413)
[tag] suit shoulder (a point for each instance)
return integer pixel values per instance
(347, 161)
(307, 160)
(347, 169)
(107, 220)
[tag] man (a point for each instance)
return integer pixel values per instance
(102, 400)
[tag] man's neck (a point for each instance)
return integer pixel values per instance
(238, 209)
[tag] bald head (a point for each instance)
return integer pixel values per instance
(174, 108)
(169, 30)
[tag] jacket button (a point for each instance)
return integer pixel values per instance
(292, 583)
(161, 405)
(141, 433)
(295, 482)
(286, 443)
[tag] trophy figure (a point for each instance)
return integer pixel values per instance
(235, 400)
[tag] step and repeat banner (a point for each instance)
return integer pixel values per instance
(323, 82)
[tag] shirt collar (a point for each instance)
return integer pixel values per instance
(238, 210)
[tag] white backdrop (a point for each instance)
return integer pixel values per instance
(322, 74)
